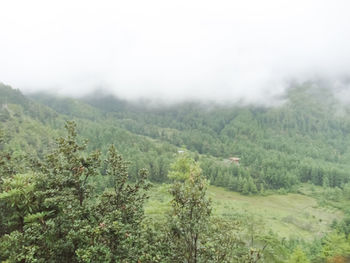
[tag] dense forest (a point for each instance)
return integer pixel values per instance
(76, 174)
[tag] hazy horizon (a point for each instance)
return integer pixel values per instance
(173, 51)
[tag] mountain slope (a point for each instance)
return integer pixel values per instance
(305, 139)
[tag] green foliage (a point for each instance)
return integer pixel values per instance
(7, 162)
(19, 198)
(298, 256)
(191, 211)
(68, 168)
(55, 205)
(195, 236)
(53, 216)
(303, 140)
(335, 245)
(183, 168)
(119, 216)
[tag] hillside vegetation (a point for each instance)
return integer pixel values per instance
(288, 197)
(305, 139)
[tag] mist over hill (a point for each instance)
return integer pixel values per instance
(304, 138)
(202, 50)
(292, 148)
(175, 131)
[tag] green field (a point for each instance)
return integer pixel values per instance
(290, 215)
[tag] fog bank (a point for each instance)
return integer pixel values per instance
(221, 51)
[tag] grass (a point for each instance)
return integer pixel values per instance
(290, 215)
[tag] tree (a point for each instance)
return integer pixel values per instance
(55, 217)
(19, 199)
(335, 246)
(8, 167)
(117, 233)
(191, 211)
(298, 256)
(259, 245)
(68, 168)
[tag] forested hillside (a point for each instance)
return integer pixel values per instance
(304, 140)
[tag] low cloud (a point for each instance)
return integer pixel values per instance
(221, 51)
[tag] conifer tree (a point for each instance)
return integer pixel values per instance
(298, 256)
(191, 211)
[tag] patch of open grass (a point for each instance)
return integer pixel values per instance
(290, 215)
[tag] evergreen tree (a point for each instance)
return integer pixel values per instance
(191, 211)
(298, 256)
(117, 232)
(54, 216)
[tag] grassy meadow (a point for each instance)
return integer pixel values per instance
(290, 215)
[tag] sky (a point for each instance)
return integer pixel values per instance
(222, 50)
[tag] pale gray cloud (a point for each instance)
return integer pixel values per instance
(217, 50)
